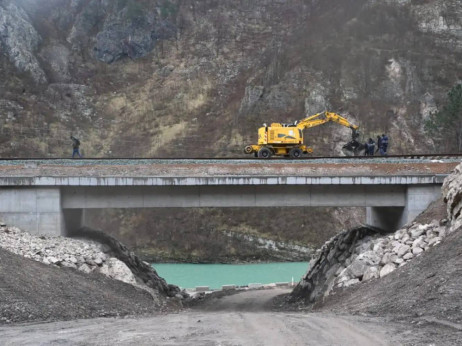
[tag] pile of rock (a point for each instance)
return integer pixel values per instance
(376, 257)
(362, 254)
(85, 256)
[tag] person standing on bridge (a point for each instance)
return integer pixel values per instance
(371, 147)
(384, 145)
(75, 147)
(366, 148)
(379, 143)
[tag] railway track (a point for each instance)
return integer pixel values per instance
(246, 158)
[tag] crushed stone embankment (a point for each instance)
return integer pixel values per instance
(56, 278)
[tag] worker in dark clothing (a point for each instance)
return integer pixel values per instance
(75, 147)
(366, 149)
(384, 145)
(379, 143)
(371, 146)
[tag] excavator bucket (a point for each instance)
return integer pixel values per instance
(353, 148)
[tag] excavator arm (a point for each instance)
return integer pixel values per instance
(322, 118)
(352, 147)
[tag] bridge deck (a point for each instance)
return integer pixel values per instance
(216, 168)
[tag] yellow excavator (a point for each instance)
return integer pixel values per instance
(287, 139)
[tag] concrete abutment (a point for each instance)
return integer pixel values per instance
(34, 209)
(418, 198)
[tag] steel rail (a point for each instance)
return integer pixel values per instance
(243, 158)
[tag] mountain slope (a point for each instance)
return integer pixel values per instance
(196, 78)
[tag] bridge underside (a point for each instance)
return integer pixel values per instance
(60, 210)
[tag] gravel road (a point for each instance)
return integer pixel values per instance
(240, 319)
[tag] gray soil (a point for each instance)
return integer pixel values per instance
(32, 291)
(240, 319)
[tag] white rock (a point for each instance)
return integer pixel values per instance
(418, 231)
(398, 260)
(385, 259)
(73, 259)
(378, 246)
(403, 249)
(442, 232)
(370, 258)
(350, 282)
(434, 241)
(417, 250)
(408, 256)
(53, 260)
(419, 242)
(371, 273)
(387, 269)
(85, 268)
(68, 264)
(405, 238)
(117, 270)
(356, 269)
(395, 243)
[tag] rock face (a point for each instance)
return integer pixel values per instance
(222, 63)
(129, 28)
(360, 254)
(20, 40)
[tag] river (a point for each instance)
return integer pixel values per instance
(217, 275)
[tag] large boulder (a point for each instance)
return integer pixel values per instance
(387, 269)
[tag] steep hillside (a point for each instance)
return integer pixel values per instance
(225, 235)
(196, 78)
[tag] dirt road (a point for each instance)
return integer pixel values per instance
(241, 319)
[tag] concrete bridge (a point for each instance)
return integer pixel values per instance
(50, 197)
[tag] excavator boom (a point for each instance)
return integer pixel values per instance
(322, 118)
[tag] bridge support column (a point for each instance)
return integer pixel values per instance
(418, 198)
(36, 210)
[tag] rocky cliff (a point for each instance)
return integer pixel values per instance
(196, 78)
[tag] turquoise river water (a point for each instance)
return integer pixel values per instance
(217, 275)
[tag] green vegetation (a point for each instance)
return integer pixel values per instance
(445, 126)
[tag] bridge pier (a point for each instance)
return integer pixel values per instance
(418, 198)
